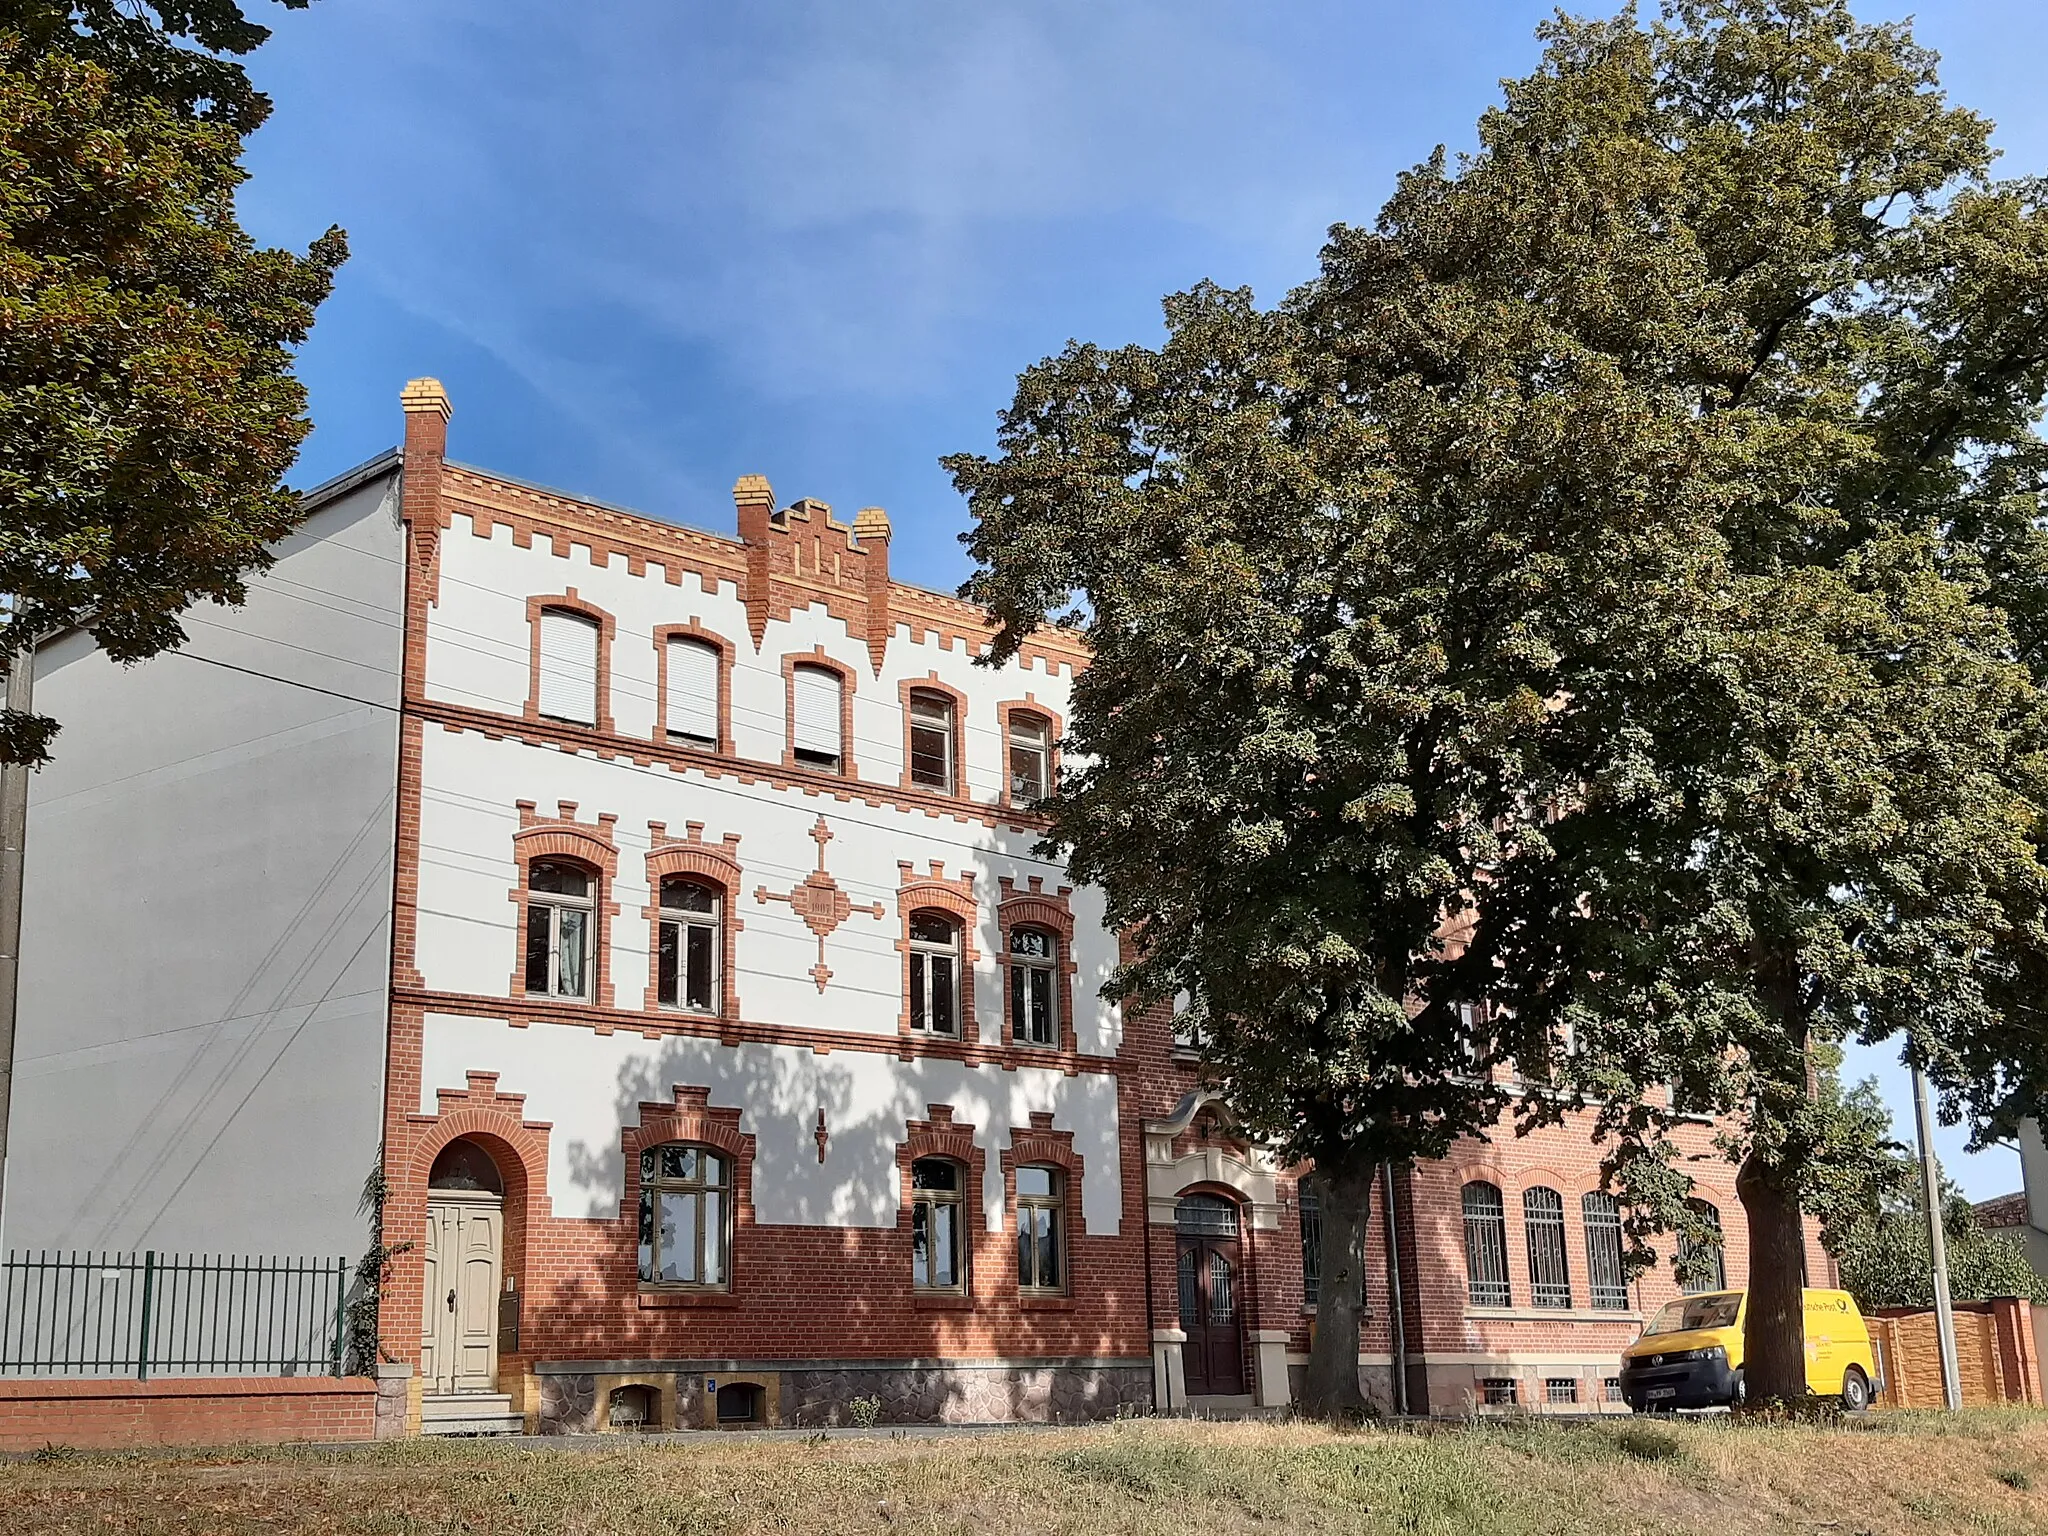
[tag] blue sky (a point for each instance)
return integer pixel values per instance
(652, 245)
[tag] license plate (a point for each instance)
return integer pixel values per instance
(1656, 1392)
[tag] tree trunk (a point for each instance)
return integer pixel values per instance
(1774, 1327)
(1331, 1389)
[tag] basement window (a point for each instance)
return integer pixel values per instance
(1498, 1391)
(1560, 1389)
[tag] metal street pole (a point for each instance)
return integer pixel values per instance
(1937, 1241)
(14, 779)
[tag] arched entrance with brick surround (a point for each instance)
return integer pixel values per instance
(475, 1133)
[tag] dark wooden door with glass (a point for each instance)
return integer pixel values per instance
(1211, 1289)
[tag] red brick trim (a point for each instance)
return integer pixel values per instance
(591, 845)
(1055, 728)
(211, 1410)
(773, 578)
(930, 683)
(495, 1121)
(715, 864)
(934, 892)
(1042, 1145)
(848, 679)
(1035, 909)
(690, 1117)
(607, 632)
(694, 630)
(941, 1136)
(679, 759)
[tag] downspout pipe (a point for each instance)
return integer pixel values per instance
(1396, 1311)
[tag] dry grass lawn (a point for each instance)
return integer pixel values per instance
(1980, 1472)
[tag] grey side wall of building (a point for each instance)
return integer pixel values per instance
(206, 936)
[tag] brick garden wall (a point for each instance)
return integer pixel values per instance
(100, 1415)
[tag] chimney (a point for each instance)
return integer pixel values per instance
(755, 502)
(871, 529)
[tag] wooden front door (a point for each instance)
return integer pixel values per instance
(1211, 1297)
(459, 1331)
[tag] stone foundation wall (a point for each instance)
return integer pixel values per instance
(575, 1401)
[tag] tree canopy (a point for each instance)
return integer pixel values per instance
(148, 408)
(1581, 602)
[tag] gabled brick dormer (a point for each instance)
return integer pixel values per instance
(803, 554)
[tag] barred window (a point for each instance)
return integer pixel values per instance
(1550, 1280)
(1499, 1391)
(1606, 1281)
(1311, 1243)
(1486, 1245)
(1610, 1388)
(1701, 1266)
(1560, 1389)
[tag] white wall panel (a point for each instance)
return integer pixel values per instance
(588, 1086)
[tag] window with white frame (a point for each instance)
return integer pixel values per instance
(938, 1230)
(1041, 1229)
(561, 909)
(568, 666)
(1034, 987)
(690, 707)
(934, 973)
(932, 727)
(1606, 1280)
(816, 739)
(1486, 1245)
(1550, 1280)
(685, 1216)
(1030, 748)
(690, 945)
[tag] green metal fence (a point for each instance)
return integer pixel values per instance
(151, 1314)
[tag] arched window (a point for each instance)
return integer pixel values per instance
(690, 707)
(1550, 1278)
(1034, 987)
(690, 945)
(685, 1216)
(1606, 1280)
(1030, 758)
(462, 1164)
(1702, 1265)
(568, 666)
(1041, 1229)
(815, 735)
(561, 908)
(932, 732)
(1486, 1245)
(934, 973)
(938, 1234)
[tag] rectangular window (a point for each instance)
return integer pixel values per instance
(931, 741)
(687, 958)
(1030, 759)
(1610, 1388)
(1499, 1391)
(1560, 1389)
(1311, 1243)
(690, 710)
(1040, 1235)
(937, 1248)
(814, 728)
(568, 666)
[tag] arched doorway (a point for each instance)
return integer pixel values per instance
(464, 1249)
(1211, 1295)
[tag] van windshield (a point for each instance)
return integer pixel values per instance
(1690, 1312)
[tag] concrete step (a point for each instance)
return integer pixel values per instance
(470, 1413)
(1235, 1406)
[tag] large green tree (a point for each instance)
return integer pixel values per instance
(1565, 603)
(148, 409)
(1815, 816)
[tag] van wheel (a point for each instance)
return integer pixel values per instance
(1741, 1393)
(1855, 1390)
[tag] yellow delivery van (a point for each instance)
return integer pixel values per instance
(1690, 1354)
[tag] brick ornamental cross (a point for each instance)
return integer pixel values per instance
(820, 903)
